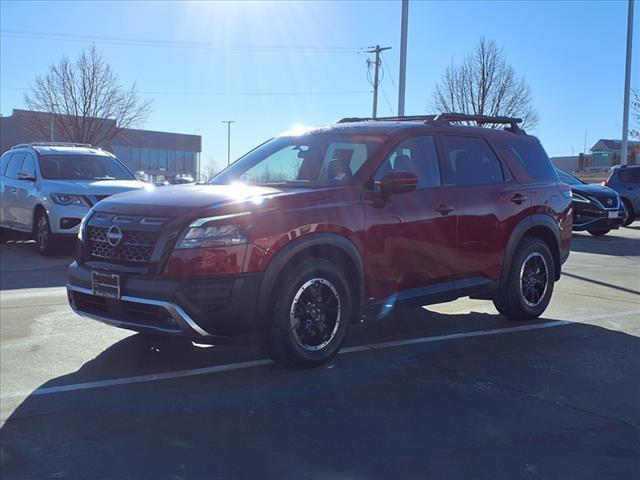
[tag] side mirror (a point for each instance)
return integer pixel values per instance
(398, 181)
(30, 177)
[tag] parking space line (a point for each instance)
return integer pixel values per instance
(261, 362)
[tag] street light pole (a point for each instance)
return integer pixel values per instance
(402, 77)
(228, 122)
(53, 106)
(627, 86)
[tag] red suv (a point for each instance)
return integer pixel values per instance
(315, 230)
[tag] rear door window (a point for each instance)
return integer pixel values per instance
(470, 161)
(630, 175)
(14, 165)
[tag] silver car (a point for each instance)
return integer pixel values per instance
(46, 189)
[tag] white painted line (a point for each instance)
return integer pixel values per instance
(257, 363)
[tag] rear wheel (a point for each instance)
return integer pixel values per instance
(598, 233)
(311, 315)
(45, 240)
(629, 215)
(529, 285)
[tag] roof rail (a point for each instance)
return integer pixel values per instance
(447, 118)
(409, 118)
(54, 144)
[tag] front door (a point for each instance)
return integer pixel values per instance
(410, 237)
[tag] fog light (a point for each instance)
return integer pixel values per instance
(67, 222)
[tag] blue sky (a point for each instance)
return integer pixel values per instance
(571, 53)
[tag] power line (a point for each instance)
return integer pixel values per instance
(386, 68)
(146, 42)
(233, 94)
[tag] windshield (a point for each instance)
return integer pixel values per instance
(313, 160)
(570, 179)
(83, 167)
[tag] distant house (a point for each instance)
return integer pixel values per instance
(603, 155)
(606, 153)
(161, 155)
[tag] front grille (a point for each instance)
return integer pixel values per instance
(135, 248)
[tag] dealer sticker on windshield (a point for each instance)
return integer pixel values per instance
(105, 284)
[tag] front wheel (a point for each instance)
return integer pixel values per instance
(527, 290)
(311, 314)
(45, 240)
(598, 233)
(628, 213)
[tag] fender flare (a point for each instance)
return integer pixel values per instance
(293, 248)
(520, 230)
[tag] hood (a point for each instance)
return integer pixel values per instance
(191, 200)
(93, 187)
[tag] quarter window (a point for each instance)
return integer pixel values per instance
(417, 155)
(470, 161)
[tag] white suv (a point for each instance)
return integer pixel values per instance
(47, 188)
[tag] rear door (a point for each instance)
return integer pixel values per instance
(410, 237)
(9, 195)
(489, 205)
(4, 190)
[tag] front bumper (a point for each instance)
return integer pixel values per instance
(57, 213)
(200, 309)
(602, 223)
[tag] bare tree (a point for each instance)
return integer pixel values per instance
(85, 100)
(635, 112)
(485, 84)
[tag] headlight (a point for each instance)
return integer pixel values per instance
(207, 232)
(580, 198)
(68, 199)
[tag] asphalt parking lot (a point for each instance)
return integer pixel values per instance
(448, 391)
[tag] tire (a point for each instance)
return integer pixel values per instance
(517, 300)
(45, 240)
(628, 220)
(318, 291)
(598, 233)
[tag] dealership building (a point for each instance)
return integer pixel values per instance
(160, 155)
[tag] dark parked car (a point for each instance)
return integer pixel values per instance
(626, 181)
(596, 209)
(312, 232)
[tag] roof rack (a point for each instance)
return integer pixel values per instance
(54, 144)
(448, 118)
(409, 118)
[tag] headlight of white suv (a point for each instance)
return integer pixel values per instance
(208, 232)
(69, 199)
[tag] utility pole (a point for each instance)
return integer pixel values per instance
(627, 87)
(376, 76)
(402, 77)
(228, 122)
(53, 106)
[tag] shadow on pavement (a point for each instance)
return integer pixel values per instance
(561, 402)
(609, 244)
(21, 266)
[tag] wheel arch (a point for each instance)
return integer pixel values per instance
(541, 226)
(329, 246)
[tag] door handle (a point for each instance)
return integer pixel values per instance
(13, 190)
(444, 209)
(519, 198)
